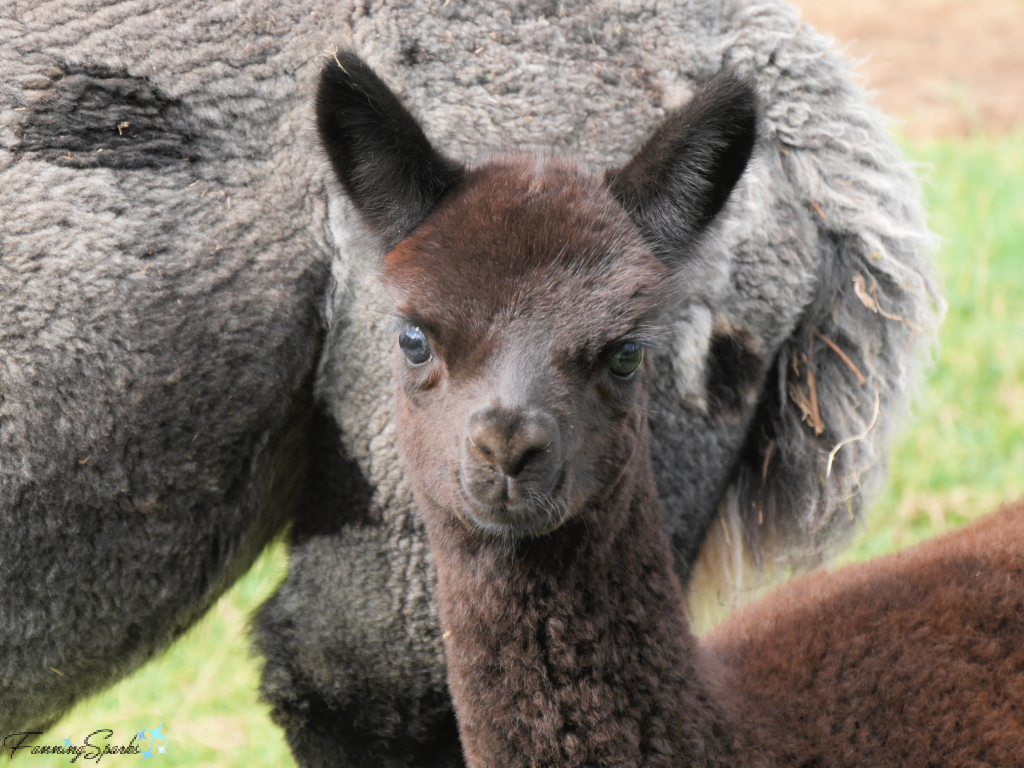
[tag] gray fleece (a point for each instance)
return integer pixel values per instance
(173, 253)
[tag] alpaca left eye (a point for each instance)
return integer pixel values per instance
(627, 359)
(414, 345)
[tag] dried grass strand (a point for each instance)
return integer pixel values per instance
(812, 386)
(861, 436)
(842, 356)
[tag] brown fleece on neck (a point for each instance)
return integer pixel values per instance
(573, 649)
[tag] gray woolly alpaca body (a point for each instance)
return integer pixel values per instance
(169, 239)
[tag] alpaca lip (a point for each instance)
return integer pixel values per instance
(507, 521)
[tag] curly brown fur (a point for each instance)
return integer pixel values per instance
(915, 659)
(573, 649)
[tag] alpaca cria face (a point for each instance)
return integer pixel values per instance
(527, 291)
(527, 300)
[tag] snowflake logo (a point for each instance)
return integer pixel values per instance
(151, 736)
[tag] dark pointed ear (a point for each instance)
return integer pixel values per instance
(680, 179)
(377, 149)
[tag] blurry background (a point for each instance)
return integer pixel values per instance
(951, 73)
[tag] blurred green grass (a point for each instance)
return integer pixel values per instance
(960, 455)
(203, 690)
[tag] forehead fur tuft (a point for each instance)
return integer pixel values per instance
(523, 233)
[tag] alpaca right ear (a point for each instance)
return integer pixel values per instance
(682, 176)
(379, 153)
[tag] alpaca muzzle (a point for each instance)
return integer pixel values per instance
(512, 468)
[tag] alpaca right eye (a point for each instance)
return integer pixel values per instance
(414, 346)
(627, 359)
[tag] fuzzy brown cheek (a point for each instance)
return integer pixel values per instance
(425, 441)
(424, 464)
(605, 453)
(616, 397)
(419, 385)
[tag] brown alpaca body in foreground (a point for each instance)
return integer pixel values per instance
(526, 293)
(915, 658)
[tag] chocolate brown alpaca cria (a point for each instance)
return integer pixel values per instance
(527, 294)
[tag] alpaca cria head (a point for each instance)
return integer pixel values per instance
(527, 302)
(527, 293)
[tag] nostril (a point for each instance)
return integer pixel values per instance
(527, 456)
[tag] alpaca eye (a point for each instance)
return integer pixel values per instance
(414, 346)
(627, 359)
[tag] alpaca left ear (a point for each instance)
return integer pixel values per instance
(682, 176)
(379, 153)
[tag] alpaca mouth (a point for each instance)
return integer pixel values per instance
(536, 517)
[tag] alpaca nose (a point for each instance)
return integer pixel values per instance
(512, 441)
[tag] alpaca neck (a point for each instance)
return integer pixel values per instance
(573, 649)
